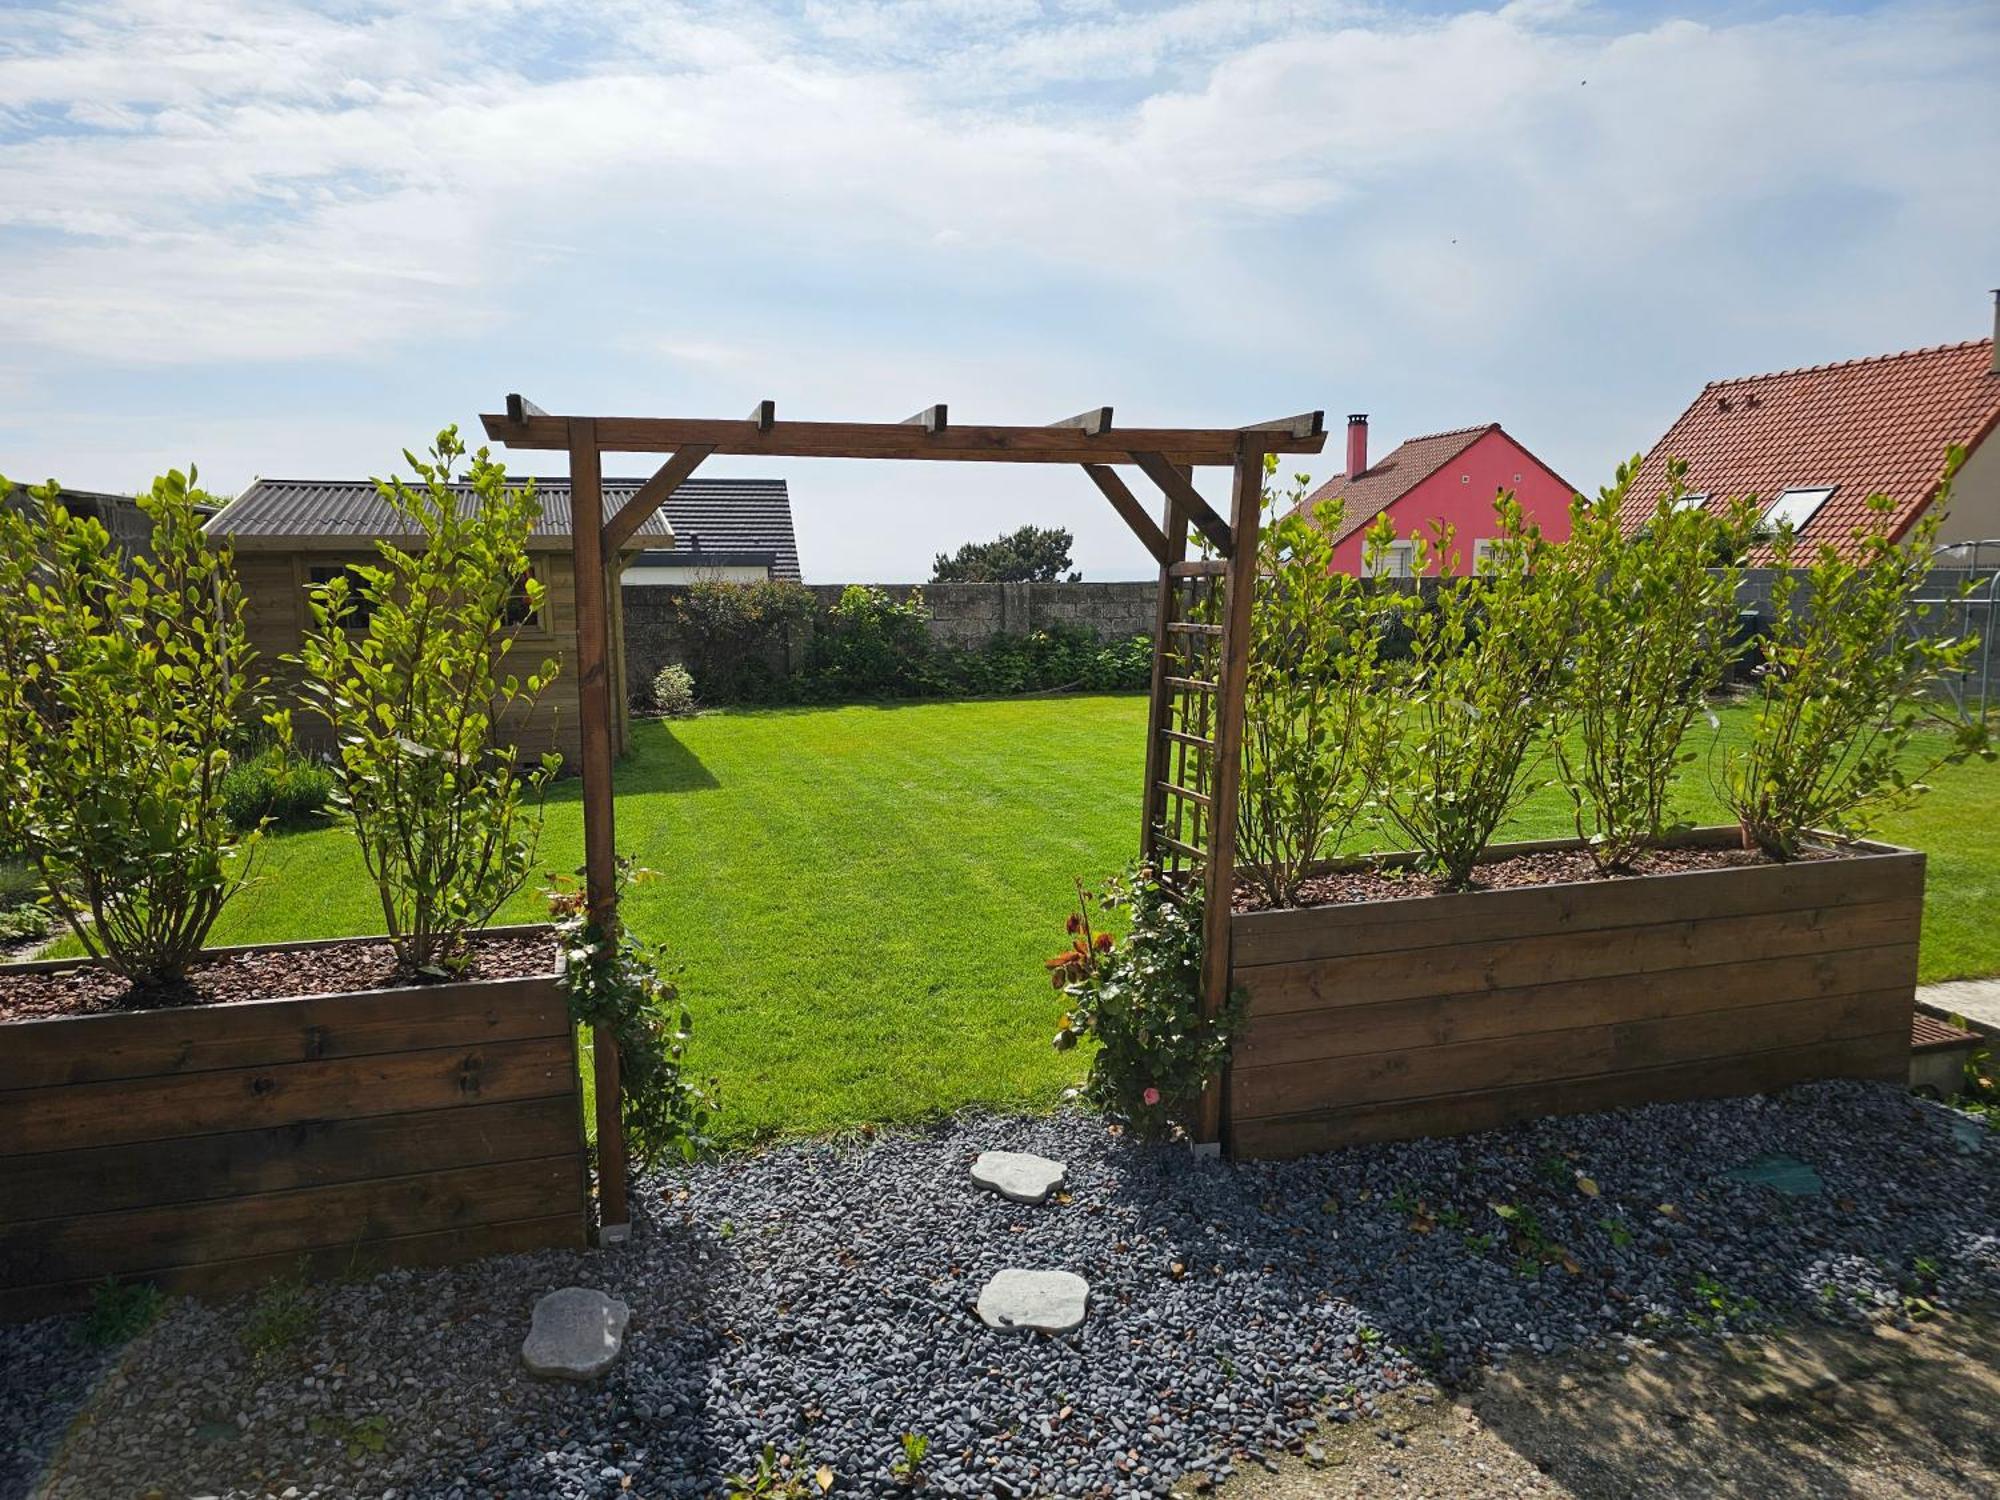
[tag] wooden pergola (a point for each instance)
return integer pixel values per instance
(1201, 642)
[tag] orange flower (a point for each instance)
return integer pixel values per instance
(1104, 942)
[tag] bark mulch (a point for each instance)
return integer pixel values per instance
(1553, 867)
(260, 975)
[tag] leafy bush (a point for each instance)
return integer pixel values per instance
(673, 691)
(1058, 658)
(1486, 651)
(615, 981)
(869, 645)
(1141, 999)
(1317, 717)
(275, 786)
(739, 637)
(1655, 633)
(120, 1311)
(1840, 693)
(443, 820)
(20, 924)
(122, 682)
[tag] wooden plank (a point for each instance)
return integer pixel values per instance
(1437, 1020)
(365, 1257)
(933, 419)
(1305, 424)
(266, 1033)
(137, 1243)
(1192, 684)
(764, 413)
(307, 1153)
(1096, 421)
(1219, 875)
(600, 847)
(1509, 963)
(1159, 701)
(1187, 739)
(521, 409)
(1213, 446)
(1200, 567)
(1548, 1056)
(648, 498)
(1128, 507)
(1177, 487)
(1884, 1057)
(1269, 937)
(74, 1116)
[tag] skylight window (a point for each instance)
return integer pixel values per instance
(1692, 500)
(1794, 508)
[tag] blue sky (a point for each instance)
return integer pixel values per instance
(290, 239)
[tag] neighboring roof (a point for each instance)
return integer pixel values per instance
(1868, 426)
(1367, 494)
(722, 514)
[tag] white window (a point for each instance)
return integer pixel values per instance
(1481, 550)
(1794, 508)
(1692, 500)
(1397, 560)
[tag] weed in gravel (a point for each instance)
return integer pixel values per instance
(1719, 1306)
(363, 1437)
(121, 1311)
(282, 1315)
(777, 1478)
(909, 1466)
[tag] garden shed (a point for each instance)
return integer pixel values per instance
(290, 534)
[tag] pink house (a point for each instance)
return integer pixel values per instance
(1448, 476)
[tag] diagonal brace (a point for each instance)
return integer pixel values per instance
(1127, 505)
(1178, 488)
(672, 474)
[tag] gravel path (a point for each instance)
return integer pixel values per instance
(819, 1298)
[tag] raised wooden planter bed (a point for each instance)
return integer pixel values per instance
(1443, 1014)
(208, 1147)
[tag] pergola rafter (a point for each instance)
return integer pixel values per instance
(1090, 440)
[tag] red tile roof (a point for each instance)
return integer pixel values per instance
(1381, 485)
(1869, 426)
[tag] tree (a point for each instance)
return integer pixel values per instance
(1034, 554)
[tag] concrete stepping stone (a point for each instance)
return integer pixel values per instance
(1034, 1301)
(577, 1334)
(1019, 1175)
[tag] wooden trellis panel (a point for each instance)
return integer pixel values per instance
(1182, 758)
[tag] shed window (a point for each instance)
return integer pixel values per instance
(518, 613)
(319, 576)
(1794, 508)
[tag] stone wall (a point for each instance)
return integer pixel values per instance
(964, 615)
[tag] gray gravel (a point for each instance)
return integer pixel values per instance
(820, 1298)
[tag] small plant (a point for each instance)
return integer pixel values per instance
(673, 691)
(1486, 653)
(1654, 636)
(362, 1437)
(1840, 693)
(1317, 719)
(122, 683)
(617, 983)
(24, 923)
(120, 1311)
(1717, 1306)
(909, 1465)
(1533, 1248)
(281, 1316)
(447, 822)
(1142, 1001)
(1619, 1233)
(775, 1477)
(276, 788)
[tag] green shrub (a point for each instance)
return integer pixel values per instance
(673, 691)
(447, 822)
(1841, 690)
(1317, 718)
(20, 924)
(277, 787)
(739, 638)
(1486, 653)
(870, 646)
(122, 682)
(120, 1311)
(1655, 634)
(1142, 1000)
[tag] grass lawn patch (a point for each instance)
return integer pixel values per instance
(861, 897)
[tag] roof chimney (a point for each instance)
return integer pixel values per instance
(1357, 443)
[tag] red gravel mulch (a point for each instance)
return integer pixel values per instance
(262, 975)
(1554, 867)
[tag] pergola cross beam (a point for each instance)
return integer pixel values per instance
(1089, 440)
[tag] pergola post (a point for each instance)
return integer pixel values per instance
(600, 839)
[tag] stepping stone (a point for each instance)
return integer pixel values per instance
(1018, 1175)
(576, 1334)
(1037, 1301)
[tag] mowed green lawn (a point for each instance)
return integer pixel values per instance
(861, 897)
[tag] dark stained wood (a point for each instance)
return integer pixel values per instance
(264, 1033)
(1159, 701)
(1598, 953)
(933, 419)
(764, 413)
(1219, 874)
(893, 440)
(138, 1242)
(75, 1116)
(670, 476)
(1437, 1020)
(1200, 567)
(1176, 486)
(1128, 507)
(365, 1257)
(1307, 424)
(1885, 1057)
(1426, 921)
(521, 409)
(600, 844)
(1096, 421)
(307, 1153)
